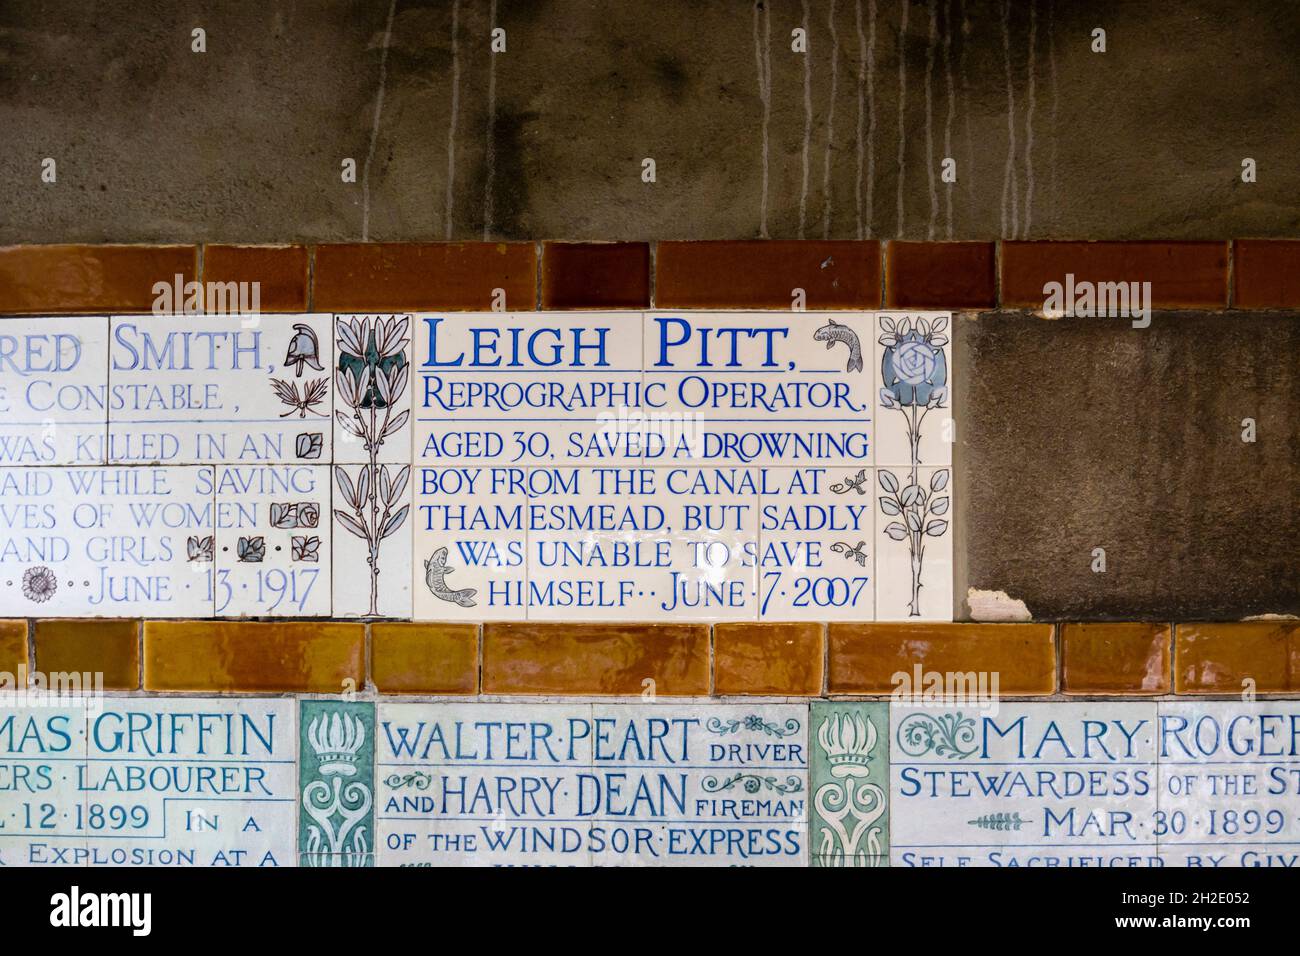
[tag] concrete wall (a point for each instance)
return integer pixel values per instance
(244, 142)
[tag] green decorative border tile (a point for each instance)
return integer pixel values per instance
(336, 778)
(849, 769)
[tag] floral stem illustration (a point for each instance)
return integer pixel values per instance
(371, 377)
(914, 372)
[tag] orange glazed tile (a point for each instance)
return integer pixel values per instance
(1120, 658)
(762, 274)
(595, 275)
(528, 658)
(424, 658)
(865, 657)
(940, 275)
(74, 278)
(1217, 658)
(370, 277)
(281, 272)
(108, 647)
(779, 659)
(293, 656)
(1267, 273)
(1183, 275)
(13, 645)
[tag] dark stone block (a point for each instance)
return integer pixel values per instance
(1084, 433)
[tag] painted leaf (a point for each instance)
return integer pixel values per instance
(363, 486)
(896, 531)
(939, 480)
(304, 548)
(348, 424)
(397, 422)
(935, 528)
(394, 521)
(285, 391)
(939, 506)
(251, 549)
(399, 485)
(888, 481)
(352, 524)
(889, 506)
(349, 336)
(345, 486)
(284, 515)
(914, 521)
(911, 494)
(309, 444)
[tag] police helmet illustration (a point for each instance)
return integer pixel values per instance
(304, 348)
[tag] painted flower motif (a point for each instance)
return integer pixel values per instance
(39, 584)
(308, 514)
(913, 369)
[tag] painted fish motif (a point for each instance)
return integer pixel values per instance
(435, 576)
(834, 332)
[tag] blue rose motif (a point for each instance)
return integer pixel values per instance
(913, 369)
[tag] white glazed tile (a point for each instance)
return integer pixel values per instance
(372, 517)
(53, 390)
(482, 784)
(916, 424)
(528, 388)
(273, 540)
(202, 782)
(984, 783)
(817, 557)
(107, 541)
(761, 388)
(220, 388)
(372, 388)
(641, 543)
(693, 785)
(1229, 787)
(470, 543)
(914, 533)
(42, 807)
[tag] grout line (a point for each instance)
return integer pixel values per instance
(653, 262)
(1058, 644)
(1173, 651)
(480, 634)
(826, 659)
(713, 661)
(311, 278)
(881, 256)
(997, 275)
(368, 655)
(1232, 274)
(538, 251)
